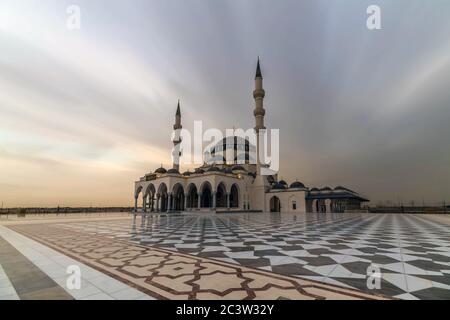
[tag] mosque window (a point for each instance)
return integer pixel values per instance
(294, 205)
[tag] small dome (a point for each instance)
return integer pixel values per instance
(238, 168)
(284, 183)
(199, 171)
(227, 170)
(326, 189)
(161, 170)
(278, 186)
(314, 189)
(187, 173)
(173, 171)
(213, 169)
(341, 188)
(297, 185)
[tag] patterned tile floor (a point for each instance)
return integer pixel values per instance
(412, 251)
(164, 274)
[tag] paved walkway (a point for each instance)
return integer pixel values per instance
(151, 272)
(30, 270)
(251, 256)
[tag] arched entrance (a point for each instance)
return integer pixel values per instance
(234, 196)
(136, 197)
(192, 198)
(206, 196)
(150, 193)
(221, 196)
(275, 205)
(178, 198)
(163, 197)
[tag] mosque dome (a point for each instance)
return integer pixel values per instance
(341, 188)
(284, 183)
(213, 169)
(227, 170)
(187, 173)
(161, 170)
(199, 171)
(173, 171)
(238, 147)
(326, 189)
(297, 185)
(278, 186)
(238, 168)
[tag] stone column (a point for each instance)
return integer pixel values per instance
(228, 201)
(158, 198)
(135, 204)
(185, 202)
(144, 204)
(199, 200)
(169, 202)
(214, 200)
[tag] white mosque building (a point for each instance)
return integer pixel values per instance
(235, 186)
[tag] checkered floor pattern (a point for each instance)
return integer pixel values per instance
(412, 252)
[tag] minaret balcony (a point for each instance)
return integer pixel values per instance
(259, 112)
(259, 93)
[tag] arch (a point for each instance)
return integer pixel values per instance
(234, 196)
(206, 195)
(136, 196)
(149, 196)
(163, 201)
(192, 196)
(294, 203)
(221, 196)
(275, 205)
(138, 191)
(150, 189)
(177, 197)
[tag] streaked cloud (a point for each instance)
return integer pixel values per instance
(85, 113)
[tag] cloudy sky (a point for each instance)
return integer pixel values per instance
(85, 113)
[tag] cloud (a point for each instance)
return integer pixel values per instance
(90, 110)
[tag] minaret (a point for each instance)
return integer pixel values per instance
(258, 95)
(259, 112)
(260, 184)
(177, 138)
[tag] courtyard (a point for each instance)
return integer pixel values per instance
(226, 256)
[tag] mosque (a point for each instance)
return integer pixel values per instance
(236, 185)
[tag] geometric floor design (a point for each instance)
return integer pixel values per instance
(166, 274)
(411, 251)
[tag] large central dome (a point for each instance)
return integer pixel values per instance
(232, 149)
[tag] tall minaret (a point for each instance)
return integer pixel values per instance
(258, 95)
(177, 138)
(260, 184)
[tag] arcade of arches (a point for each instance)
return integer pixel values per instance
(178, 199)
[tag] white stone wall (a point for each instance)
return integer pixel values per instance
(287, 198)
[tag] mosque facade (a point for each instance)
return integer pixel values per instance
(235, 185)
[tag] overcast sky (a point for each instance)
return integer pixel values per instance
(85, 113)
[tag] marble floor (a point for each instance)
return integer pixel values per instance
(295, 256)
